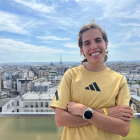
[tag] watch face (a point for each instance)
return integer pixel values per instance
(88, 114)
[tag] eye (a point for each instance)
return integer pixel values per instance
(98, 40)
(86, 44)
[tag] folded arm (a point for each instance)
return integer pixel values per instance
(64, 118)
(110, 124)
(119, 123)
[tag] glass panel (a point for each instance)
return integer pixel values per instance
(36, 104)
(41, 104)
(31, 104)
(17, 103)
(26, 104)
(46, 104)
(42, 128)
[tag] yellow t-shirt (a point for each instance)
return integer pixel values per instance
(95, 90)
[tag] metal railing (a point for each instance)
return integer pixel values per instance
(37, 114)
(27, 114)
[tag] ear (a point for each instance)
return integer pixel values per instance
(82, 51)
(106, 44)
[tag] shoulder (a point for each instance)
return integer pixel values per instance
(114, 73)
(116, 76)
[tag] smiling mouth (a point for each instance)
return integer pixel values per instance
(95, 54)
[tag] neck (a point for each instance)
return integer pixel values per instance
(95, 67)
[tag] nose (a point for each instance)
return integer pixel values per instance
(93, 45)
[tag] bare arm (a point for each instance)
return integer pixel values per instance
(110, 124)
(106, 123)
(64, 118)
(121, 112)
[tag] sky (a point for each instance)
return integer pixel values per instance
(42, 30)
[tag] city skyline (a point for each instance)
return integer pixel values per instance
(39, 31)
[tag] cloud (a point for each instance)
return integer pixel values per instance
(128, 24)
(131, 33)
(115, 46)
(33, 4)
(120, 9)
(12, 23)
(52, 38)
(12, 46)
(112, 45)
(134, 50)
(71, 45)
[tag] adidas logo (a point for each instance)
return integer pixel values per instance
(93, 86)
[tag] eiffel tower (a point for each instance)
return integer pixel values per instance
(61, 60)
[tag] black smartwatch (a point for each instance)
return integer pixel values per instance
(88, 114)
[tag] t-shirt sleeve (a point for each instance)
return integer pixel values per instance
(124, 97)
(62, 95)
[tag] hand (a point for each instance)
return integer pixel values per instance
(76, 108)
(122, 112)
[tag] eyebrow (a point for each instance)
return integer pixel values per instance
(94, 39)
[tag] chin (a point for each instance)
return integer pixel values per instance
(96, 62)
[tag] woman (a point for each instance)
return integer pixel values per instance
(92, 101)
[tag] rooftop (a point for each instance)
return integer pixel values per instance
(4, 101)
(40, 95)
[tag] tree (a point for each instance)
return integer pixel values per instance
(138, 82)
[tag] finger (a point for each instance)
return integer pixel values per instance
(128, 112)
(127, 108)
(127, 115)
(126, 119)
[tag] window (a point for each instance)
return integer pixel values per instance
(46, 104)
(31, 104)
(17, 110)
(36, 104)
(12, 103)
(26, 110)
(17, 103)
(41, 104)
(26, 104)
(8, 106)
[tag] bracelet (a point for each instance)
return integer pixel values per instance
(105, 112)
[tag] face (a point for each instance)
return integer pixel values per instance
(94, 47)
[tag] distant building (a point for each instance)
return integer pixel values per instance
(7, 84)
(8, 104)
(51, 64)
(0, 82)
(37, 101)
(60, 70)
(61, 63)
(53, 78)
(43, 73)
(23, 85)
(134, 71)
(135, 97)
(41, 86)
